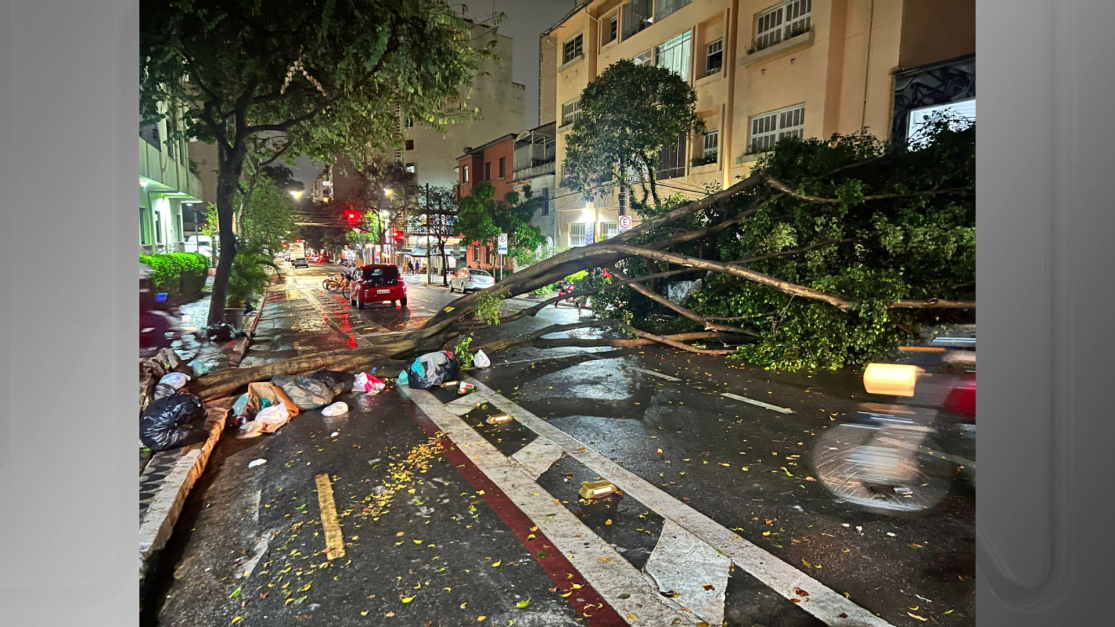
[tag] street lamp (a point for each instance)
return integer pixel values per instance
(387, 191)
(296, 194)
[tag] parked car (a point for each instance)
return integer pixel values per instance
(201, 244)
(378, 283)
(470, 280)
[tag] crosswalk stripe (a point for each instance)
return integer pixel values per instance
(825, 604)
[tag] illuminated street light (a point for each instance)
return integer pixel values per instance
(388, 191)
(296, 194)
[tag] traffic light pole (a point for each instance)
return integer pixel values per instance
(429, 275)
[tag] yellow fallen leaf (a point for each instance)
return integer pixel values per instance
(406, 599)
(577, 586)
(363, 613)
(912, 615)
(236, 620)
(604, 559)
(608, 522)
(481, 619)
(496, 565)
(463, 605)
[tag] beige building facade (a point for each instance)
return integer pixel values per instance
(762, 70)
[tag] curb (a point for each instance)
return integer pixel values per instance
(183, 468)
(241, 351)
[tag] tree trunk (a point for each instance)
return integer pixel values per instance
(228, 181)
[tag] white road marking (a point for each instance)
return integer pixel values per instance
(258, 552)
(656, 374)
(781, 410)
(828, 606)
(551, 357)
(620, 583)
(682, 563)
(537, 457)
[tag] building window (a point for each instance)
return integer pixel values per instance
(487, 170)
(545, 196)
(666, 7)
(570, 112)
(711, 147)
(464, 178)
(576, 235)
(674, 55)
(503, 167)
(410, 168)
(643, 59)
(768, 128)
(671, 161)
(158, 229)
(410, 144)
(410, 122)
(714, 57)
(144, 227)
(573, 48)
(608, 229)
(638, 15)
(790, 19)
(612, 33)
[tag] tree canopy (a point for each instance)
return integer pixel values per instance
(628, 114)
(482, 218)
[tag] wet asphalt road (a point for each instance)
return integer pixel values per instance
(747, 467)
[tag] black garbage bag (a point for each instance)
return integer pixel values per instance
(433, 369)
(221, 332)
(172, 421)
(339, 382)
(306, 393)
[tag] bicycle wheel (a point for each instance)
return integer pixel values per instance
(330, 285)
(345, 291)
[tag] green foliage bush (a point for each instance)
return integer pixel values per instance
(249, 276)
(177, 274)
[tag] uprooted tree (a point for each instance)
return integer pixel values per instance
(828, 253)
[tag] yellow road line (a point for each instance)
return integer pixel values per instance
(334, 540)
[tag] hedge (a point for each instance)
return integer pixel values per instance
(177, 274)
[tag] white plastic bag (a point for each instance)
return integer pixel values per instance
(481, 360)
(176, 380)
(272, 418)
(336, 409)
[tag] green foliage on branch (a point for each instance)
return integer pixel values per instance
(177, 274)
(488, 304)
(901, 226)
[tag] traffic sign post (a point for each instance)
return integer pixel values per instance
(624, 223)
(502, 252)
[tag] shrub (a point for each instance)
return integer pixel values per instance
(177, 274)
(249, 276)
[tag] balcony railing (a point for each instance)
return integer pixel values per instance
(531, 155)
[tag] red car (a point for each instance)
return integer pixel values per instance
(378, 283)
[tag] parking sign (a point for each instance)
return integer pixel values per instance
(624, 223)
(503, 243)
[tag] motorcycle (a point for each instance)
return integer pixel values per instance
(157, 328)
(566, 288)
(900, 456)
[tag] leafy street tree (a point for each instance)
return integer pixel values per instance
(628, 115)
(317, 77)
(268, 216)
(482, 218)
(436, 217)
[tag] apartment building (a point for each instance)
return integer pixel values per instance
(432, 154)
(489, 163)
(762, 70)
(168, 188)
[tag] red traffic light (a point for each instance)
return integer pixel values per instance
(397, 234)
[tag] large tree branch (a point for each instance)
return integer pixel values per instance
(685, 312)
(785, 189)
(743, 273)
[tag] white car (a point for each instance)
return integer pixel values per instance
(470, 280)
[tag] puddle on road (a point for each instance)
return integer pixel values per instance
(602, 380)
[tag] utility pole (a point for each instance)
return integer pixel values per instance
(428, 269)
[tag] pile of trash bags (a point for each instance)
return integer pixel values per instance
(431, 370)
(153, 374)
(269, 405)
(170, 417)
